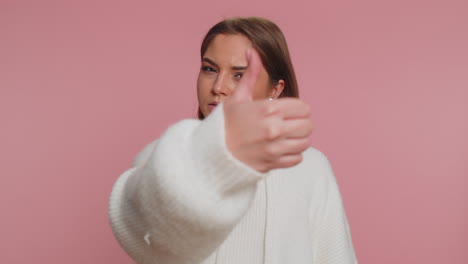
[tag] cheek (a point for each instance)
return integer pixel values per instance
(202, 87)
(262, 89)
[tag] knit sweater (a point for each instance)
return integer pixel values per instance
(188, 200)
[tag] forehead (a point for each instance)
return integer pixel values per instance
(228, 49)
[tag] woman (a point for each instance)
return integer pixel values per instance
(241, 184)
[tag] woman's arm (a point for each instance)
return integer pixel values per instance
(329, 226)
(184, 195)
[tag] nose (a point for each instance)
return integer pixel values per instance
(222, 85)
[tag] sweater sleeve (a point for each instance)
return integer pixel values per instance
(329, 225)
(183, 196)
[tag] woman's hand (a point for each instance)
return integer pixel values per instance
(265, 134)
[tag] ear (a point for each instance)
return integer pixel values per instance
(277, 89)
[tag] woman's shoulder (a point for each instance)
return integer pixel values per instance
(311, 178)
(315, 158)
(315, 167)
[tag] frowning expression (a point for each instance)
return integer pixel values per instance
(222, 67)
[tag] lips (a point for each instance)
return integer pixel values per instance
(212, 106)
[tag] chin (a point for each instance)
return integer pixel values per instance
(205, 113)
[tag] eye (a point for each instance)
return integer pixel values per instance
(208, 69)
(238, 75)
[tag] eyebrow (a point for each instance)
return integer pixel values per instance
(237, 68)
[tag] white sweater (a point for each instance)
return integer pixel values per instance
(186, 199)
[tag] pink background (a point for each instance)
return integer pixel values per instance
(84, 85)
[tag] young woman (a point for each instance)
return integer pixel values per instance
(241, 184)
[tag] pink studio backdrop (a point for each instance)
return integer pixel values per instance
(84, 85)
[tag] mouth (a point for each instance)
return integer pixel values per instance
(212, 106)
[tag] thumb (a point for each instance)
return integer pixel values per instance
(244, 90)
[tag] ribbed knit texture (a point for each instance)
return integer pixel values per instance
(187, 200)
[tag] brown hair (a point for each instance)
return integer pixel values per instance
(268, 41)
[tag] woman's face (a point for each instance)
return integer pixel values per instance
(222, 66)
